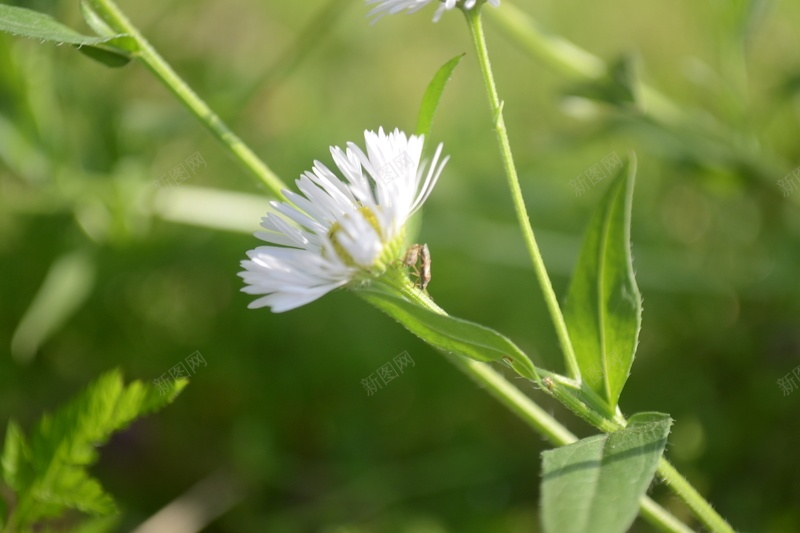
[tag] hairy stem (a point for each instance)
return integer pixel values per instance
(476, 30)
(679, 485)
(396, 281)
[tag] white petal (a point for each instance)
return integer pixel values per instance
(336, 229)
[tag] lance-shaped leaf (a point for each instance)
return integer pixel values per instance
(433, 94)
(594, 485)
(112, 50)
(452, 335)
(603, 310)
(64, 290)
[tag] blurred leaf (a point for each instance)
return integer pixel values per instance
(550, 48)
(452, 335)
(49, 475)
(307, 40)
(112, 50)
(603, 310)
(66, 286)
(14, 445)
(740, 18)
(433, 94)
(21, 155)
(594, 485)
(617, 87)
(98, 524)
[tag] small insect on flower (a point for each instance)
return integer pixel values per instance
(418, 258)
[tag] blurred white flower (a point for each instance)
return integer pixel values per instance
(392, 7)
(341, 231)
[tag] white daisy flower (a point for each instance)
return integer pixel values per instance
(392, 7)
(341, 231)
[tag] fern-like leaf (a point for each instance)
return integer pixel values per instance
(48, 473)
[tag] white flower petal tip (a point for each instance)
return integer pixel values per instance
(338, 231)
(392, 7)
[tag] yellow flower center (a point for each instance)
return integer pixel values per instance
(389, 253)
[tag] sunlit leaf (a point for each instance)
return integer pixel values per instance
(49, 472)
(594, 485)
(112, 50)
(433, 94)
(452, 335)
(14, 446)
(603, 310)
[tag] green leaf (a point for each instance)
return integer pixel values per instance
(433, 94)
(594, 485)
(603, 310)
(28, 23)
(110, 57)
(66, 287)
(617, 87)
(49, 475)
(582, 401)
(112, 49)
(96, 22)
(452, 335)
(13, 448)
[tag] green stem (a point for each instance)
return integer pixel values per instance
(679, 485)
(547, 426)
(117, 20)
(702, 509)
(396, 281)
(476, 30)
(660, 517)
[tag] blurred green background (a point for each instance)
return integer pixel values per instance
(277, 423)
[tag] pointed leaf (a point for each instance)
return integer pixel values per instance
(603, 310)
(13, 453)
(112, 50)
(66, 286)
(450, 334)
(594, 485)
(433, 94)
